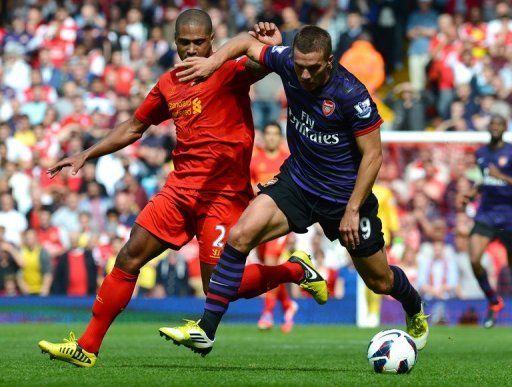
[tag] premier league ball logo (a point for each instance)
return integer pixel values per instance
(328, 107)
(363, 109)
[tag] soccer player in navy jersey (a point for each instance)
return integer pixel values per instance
(494, 217)
(334, 140)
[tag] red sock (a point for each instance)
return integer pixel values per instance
(270, 302)
(283, 296)
(259, 279)
(114, 294)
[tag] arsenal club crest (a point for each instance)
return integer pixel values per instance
(328, 107)
(502, 161)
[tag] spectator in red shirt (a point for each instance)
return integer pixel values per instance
(75, 272)
(443, 48)
(79, 119)
(118, 75)
(59, 37)
(49, 95)
(53, 239)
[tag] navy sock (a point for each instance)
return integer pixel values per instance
(483, 281)
(404, 292)
(223, 288)
(210, 322)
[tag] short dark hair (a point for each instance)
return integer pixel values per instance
(194, 16)
(500, 118)
(313, 39)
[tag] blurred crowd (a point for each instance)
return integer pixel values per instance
(71, 70)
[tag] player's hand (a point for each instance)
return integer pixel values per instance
(196, 69)
(267, 33)
(494, 171)
(76, 162)
(349, 229)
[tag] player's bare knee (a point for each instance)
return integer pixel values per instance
(240, 239)
(129, 259)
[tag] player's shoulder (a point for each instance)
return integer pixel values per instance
(350, 95)
(348, 88)
(169, 76)
(481, 152)
(284, 53)
(284, 152)
(257, 152)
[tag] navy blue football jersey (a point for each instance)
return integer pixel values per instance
(322, 127)
(495, 192)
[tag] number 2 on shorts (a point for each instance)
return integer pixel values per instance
(218, 242)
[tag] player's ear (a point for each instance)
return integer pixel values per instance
(212, 36)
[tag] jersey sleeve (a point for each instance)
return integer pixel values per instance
(243, 74)
(234, 73)
(361, 112)
(153, 109)
(275, 58)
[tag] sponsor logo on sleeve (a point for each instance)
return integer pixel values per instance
(363, 109)
(278, 49)
(328, 107)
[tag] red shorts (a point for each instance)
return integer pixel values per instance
(175, 215)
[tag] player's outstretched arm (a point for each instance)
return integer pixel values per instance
(494, 171)
(370, 148)
(121, 136)
(246, 43)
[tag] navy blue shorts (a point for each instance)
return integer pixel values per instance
(302, 209)
(493, 233)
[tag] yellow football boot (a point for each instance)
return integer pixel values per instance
(191, 335)
(69, 351)
(417, 328)
(313, 282)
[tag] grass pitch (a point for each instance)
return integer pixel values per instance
(133, 354)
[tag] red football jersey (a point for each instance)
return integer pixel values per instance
(265, 167)
(214, 127)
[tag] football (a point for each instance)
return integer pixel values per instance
(392, 351)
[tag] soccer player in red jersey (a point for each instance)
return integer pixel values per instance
(265, 165)
(203, 197)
